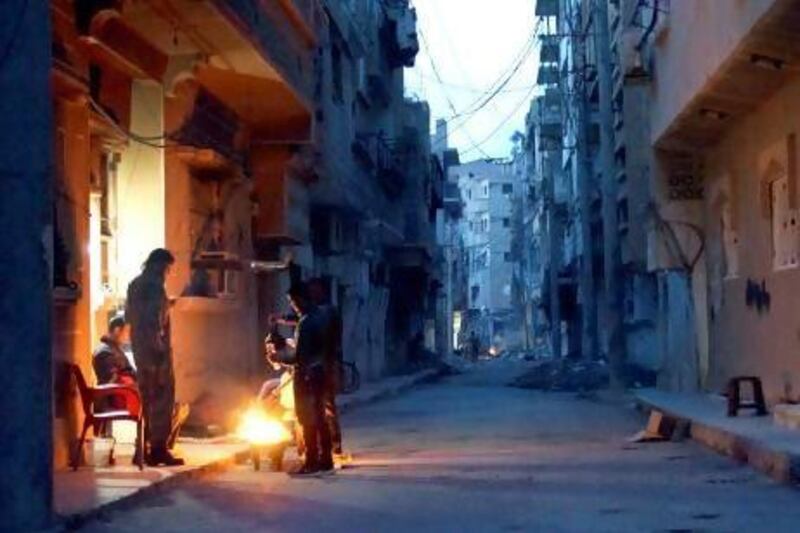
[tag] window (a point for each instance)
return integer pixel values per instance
(469, 194)
(784, 225)
(507, 257)
(508, 188)
(506, 222)
(486, 191)
(336, 73)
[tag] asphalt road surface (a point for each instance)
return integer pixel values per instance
(470, 454)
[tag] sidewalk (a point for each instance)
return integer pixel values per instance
(87, 493)
(757, 441)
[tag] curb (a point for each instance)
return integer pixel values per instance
(782, 466)
(425, 376)
(77, 520)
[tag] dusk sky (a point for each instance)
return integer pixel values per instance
(474, 44)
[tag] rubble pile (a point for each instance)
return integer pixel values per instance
(564, 375)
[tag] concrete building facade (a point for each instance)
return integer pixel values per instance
(488, 190)
(723, 181)
(704, 158)
(214, 129)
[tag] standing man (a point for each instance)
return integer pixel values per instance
(308, 360)
(333, 360)
(148, 314)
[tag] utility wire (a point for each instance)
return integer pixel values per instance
(508, 79)
(444, 93)
(489, 137)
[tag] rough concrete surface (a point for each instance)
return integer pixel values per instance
(757, 440)
(470, 454)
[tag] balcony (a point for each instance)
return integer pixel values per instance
(549, 51)
(399, 36)
(547, 75)
(547, 8)
(382, 158)
(707, 101)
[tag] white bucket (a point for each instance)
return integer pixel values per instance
(98, 451)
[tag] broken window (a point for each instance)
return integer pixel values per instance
(784, 225)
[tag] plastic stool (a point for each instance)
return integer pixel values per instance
(735, 399)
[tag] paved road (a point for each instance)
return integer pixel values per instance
(469, 454)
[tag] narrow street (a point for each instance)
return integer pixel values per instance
(470, 454)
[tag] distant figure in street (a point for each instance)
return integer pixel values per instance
(308, 359)
(474, 345)
(148, 314)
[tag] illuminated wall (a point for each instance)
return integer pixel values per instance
(141, 186)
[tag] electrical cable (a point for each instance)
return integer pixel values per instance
(503, 122)
(497, 86)
(130, 135)
(494, 94)
(446, 96)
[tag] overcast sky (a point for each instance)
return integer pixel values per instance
(473, 43)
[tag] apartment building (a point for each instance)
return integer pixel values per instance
(230, 133)
(488, 189)
(722, 127)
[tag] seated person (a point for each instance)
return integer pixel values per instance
(112, 366)
(109, 360)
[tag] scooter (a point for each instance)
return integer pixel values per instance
(269, 425)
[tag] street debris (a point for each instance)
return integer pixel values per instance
(564, 375)
(661, 427)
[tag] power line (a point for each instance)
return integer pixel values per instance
(473, 89)
(446, 96)
(495, 89)
(534, 35)
(503, 122)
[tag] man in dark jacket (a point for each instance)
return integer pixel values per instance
(148, 314)
(308, 358)
(333, 359)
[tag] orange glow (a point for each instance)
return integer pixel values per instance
(256, 427)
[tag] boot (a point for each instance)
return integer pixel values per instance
(162, 456)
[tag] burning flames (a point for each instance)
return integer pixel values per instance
(256, 427)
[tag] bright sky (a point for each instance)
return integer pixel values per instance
(473, 44)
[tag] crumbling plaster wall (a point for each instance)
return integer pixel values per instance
(745, 339)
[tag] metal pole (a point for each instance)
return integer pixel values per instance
(611, 256)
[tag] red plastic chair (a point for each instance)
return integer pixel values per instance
(126, 396)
